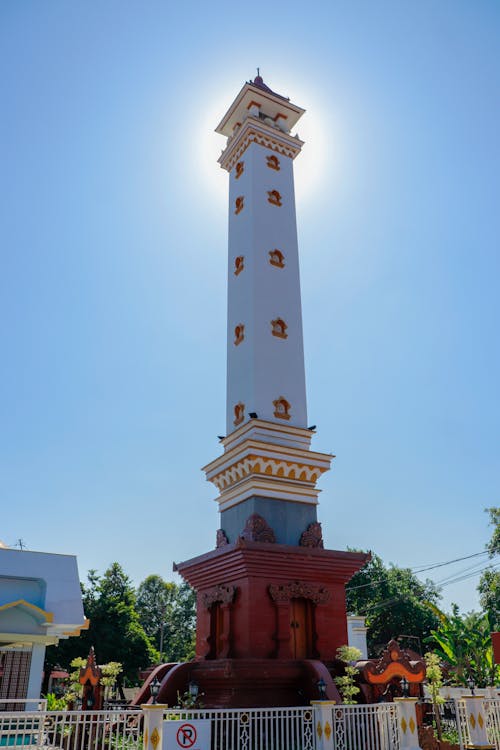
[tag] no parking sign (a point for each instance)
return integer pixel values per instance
(186, 735)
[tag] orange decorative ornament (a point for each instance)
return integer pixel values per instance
(239, 204)
(239, 413)
(276, 258)
(278, 328)
(239, 334)
(273, 162)
(274, 197)
(281, 408)
(239, 264)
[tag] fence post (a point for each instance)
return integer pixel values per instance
(323, 724)
(153, 725)
(407, 723)
(475, 716)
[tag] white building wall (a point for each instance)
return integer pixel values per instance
(356, 634)
(264, 367)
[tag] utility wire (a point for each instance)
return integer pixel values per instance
(417, 570)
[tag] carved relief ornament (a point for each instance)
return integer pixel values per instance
(257, 530)
(299, 590)
(223, 594)
(312, 536)
(221, 539)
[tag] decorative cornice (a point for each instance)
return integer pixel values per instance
(312, 536)
(258, 530)
(223, 594)
(254, 131)
(299, 590)
(267, 467)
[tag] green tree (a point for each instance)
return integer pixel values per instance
(167, 614)
(115, 630)
(489, 583)
(464, 644)
(394, 602)
(346, 683)
(434, 678)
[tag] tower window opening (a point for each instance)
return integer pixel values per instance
(278, 328)
(273, 162)
(239, 334)
(281, 408)
(276, 258)
(239, 264)
(239, 413)
(274, 198)
(238, 204)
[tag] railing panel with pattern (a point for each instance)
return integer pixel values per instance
(72, 730)
(372, 727)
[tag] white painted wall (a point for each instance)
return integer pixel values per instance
(264, 367)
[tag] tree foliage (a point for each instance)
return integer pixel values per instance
(167, 614)
(464, 644)
(346, 683)
(125, 625)
(115, 630)
(394, 602)
(489, 583)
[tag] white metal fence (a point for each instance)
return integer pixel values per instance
(492, 719)
(72, 730)
(372, 727)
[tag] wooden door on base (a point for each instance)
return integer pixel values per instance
(301, 628)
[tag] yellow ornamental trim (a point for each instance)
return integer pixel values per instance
(480, 720)
(412, 725)
(319, 730)
(155, 738)
(472, 721)
(328, 731)
(404, 725)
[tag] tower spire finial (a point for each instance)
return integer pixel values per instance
(258, 71)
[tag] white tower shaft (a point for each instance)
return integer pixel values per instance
(265, 354)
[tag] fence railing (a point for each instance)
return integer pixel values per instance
(371, 727)
(23, 704)
(491, 719)
(72, 730)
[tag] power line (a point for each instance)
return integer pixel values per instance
(417, 570)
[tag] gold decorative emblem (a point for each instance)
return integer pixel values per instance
(155, 738)
(404, 725)
(472, 721)
(239, 334)
(274, 197)
(480, 720)
(412, 725)
(273, 162)
(319, 730)
(239, 413)
(276, 258)
(281, 408)
(278, 328)
(328, 731)
(239, 264)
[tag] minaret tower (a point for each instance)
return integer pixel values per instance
(267, 469)
(270, 599)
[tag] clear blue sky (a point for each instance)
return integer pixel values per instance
(113, 220)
